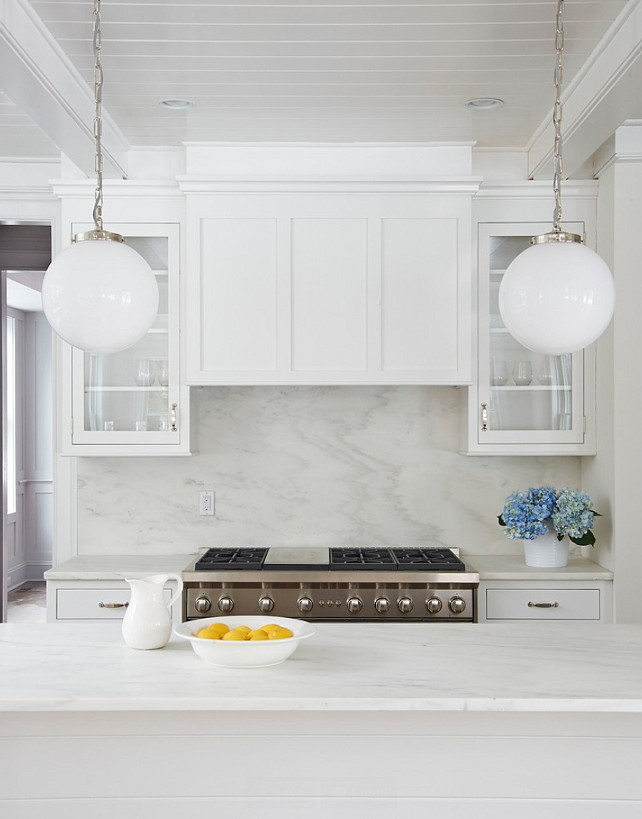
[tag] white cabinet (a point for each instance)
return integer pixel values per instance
(132, 402)
(331, 288)
(96, 600)
(523, 403)
(511, 591)
(523, 602)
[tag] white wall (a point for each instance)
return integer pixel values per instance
(30, 533)
(310, 466)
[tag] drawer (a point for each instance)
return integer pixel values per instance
(542, 604)
(85, 604)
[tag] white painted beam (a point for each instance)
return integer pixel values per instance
(40, 79)
(600, 99)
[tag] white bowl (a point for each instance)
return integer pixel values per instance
(244, 653)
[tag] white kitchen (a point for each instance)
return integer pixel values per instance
(330, 201)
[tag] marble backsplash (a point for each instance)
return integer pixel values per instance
(310, 466)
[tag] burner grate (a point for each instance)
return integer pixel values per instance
(243, 557)
(362, 559)
(432, 560)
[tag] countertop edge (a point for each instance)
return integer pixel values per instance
(342, 704)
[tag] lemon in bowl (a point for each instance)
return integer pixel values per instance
(244, 642)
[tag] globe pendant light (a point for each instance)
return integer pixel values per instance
(99, 295)
(558, 295)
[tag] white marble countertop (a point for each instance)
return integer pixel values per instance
(512, 567)
(343, 667)
(112, 567)
(490, 567)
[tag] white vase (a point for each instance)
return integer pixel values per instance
(546, 551)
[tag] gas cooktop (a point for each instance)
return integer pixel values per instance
(340, 558)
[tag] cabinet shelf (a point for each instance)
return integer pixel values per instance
(532, 388)
(126, 389)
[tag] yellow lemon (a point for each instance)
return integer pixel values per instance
(244, 629)
(206, 634)
(280, 633)
(219, 628)
(269, 626)
(235, 634)
(259, 634)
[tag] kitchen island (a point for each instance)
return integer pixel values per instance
(365, 720)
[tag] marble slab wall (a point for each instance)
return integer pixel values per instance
(311, 466)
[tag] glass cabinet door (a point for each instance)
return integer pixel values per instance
(524, 397)
(132, 397)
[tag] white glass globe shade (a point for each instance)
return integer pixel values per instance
(100, 295)
(557, 297)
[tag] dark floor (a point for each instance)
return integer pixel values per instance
(27, 603)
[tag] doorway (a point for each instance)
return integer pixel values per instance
(27, 423)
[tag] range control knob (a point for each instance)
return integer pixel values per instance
(433, 605)
(354, 605)
(225, 604)
(304, 604)
(202, 604)
(404, 604)
(457, 604)
(266, 604)
(382, 605)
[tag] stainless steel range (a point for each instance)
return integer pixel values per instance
(342, 583)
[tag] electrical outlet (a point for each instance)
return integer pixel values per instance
(206, 503)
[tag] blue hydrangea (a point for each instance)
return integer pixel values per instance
(573, 515)
(526, 515)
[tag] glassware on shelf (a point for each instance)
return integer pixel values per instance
(498, 373)
(141, 426)
(545, 372)
(109, 426)
(161, 369)
(144, 376)
(565, 421)
(522, 373)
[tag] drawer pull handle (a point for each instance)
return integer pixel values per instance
(484, 417)
(117, 605)
(532, 605)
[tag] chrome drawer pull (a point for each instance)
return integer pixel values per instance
(119, 605)
(532, 605)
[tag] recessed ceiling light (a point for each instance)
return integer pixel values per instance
(176, 104)
(484, 103)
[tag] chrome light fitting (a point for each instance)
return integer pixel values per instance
(98, 294)
(558, 295)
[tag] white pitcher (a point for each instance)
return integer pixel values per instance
(147, 622)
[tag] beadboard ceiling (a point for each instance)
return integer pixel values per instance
(298, 70)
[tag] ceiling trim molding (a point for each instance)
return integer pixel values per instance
(39, 78)
(216, 184)
(598, 99)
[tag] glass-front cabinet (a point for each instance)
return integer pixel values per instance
(131, 402)
(524, 402)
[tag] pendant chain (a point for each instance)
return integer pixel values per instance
(557, 117)
(98, 122)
